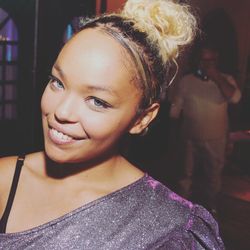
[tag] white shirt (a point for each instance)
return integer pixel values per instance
(203, 106)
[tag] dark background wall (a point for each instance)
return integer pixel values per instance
(13, 133)
(41, 25)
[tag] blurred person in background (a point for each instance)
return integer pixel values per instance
(202, 102)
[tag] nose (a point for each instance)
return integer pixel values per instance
(65, 111)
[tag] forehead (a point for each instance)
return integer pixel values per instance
(95, 58)
(94, 44)
(95, 50)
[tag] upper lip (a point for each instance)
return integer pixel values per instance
(61, 129)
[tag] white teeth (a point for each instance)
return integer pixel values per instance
(60, 135)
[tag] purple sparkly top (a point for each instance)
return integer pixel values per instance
(143, 215)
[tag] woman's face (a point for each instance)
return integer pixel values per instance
(90, 100)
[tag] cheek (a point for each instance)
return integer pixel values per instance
(97, 125)
(48, 102)
(106, 126)
(44, 101)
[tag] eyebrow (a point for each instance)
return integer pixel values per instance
(88, 86)
(59, 70)
(103, 89)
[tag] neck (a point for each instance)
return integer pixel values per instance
(102, 166)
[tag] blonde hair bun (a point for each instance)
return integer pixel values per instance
(168, 25)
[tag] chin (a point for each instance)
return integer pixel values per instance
(55, 157)
(62, 157)
(55, 154)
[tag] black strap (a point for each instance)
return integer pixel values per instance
(4, 219)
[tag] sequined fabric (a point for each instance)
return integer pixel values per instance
(143, 215)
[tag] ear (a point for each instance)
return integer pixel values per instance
(145, 119)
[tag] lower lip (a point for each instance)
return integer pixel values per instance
(57, 140)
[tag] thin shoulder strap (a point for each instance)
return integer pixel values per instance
(4, 219)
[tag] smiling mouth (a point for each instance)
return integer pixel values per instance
(59, 137)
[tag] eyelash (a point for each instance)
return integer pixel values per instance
(101, 104)
(54, 82)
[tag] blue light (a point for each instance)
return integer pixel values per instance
(8, 53)
(69, 32)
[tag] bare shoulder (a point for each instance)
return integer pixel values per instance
(7, 169)
(7, 166)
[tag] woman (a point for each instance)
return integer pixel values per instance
(81, 193)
